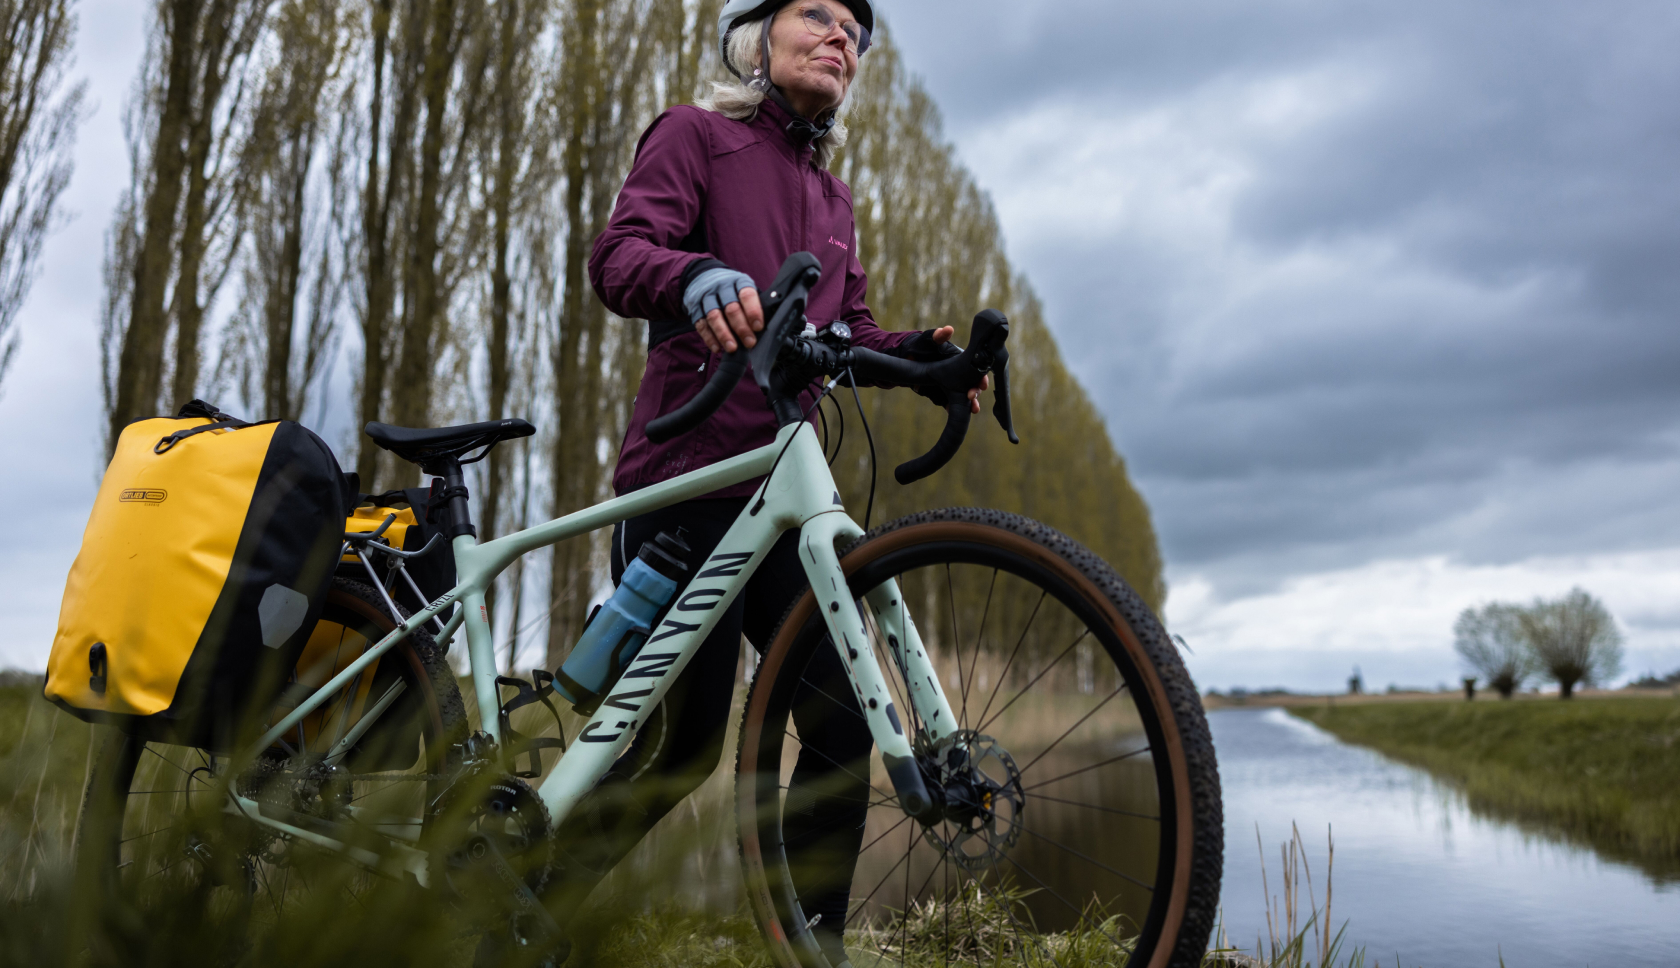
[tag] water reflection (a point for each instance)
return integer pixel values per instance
(1419, 877)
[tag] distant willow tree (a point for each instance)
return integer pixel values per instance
(1574, 638)
(1491, 641)
(38, 117)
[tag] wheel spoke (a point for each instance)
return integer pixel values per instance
(979, 639)
(1093, 806)
(883, 802)
(1057, 895)
(1076, 725)
(956, 644)
(1046, 671)
(149, 833)
(1086, 858)
(1004, 675)
(838, 765)
(864, 904)
(910, 899)
(884, 834)
(176, 766)
(904, 922)
(1086, 769)
(1014, 922)
(831, 699)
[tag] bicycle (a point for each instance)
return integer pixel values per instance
(1041, 803)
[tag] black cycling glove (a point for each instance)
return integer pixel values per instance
(922, 348)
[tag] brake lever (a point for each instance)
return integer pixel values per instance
(991, 329)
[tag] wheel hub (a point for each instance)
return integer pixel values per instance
(978, 787)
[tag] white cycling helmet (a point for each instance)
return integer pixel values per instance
(738, 12)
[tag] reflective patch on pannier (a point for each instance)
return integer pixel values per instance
(281, 613)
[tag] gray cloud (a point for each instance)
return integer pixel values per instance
(1420, 293)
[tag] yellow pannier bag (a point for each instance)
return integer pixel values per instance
(200, 577)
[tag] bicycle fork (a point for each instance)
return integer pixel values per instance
(817, 541)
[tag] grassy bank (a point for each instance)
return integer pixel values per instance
(1603, 772)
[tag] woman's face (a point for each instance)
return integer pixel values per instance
(812, 68)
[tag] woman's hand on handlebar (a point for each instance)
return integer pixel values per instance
(736, 321)
(943, 335)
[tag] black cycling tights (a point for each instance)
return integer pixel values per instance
(675, 752)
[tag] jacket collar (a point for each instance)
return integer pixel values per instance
(799, 132)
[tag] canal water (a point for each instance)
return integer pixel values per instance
(1419, 879)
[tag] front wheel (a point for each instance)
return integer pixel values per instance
(1081, 820)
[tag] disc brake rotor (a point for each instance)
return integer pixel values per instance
(980, 787)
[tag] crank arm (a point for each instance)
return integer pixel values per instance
(520, 899)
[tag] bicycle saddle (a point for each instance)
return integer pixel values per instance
(423, 445)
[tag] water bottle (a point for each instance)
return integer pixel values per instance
(618, 627)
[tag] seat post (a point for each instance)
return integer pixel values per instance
(454, 496)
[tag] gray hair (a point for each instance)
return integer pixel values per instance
(736, 100)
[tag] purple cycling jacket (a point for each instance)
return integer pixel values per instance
(745, 193)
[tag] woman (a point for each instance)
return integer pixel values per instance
(719, 195)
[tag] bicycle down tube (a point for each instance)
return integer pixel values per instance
(800, 495)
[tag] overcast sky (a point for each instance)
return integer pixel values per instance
(1380, 301)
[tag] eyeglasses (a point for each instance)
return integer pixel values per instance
(820, 22)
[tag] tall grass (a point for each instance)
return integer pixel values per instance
(1602, 772)
(676, 902)
(43, 767)
(1298, 936)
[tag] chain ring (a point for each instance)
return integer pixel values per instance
(985, 814)
(511, 814)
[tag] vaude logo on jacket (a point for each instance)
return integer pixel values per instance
(144, 495)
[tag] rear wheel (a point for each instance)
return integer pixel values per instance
(1082, 820)
(156, 813)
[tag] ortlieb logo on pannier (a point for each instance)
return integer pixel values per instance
(200, 576)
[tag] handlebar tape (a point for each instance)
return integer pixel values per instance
(956, 374)
(950, 440)
(701, 405)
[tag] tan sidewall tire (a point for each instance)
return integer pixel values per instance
(983, 528)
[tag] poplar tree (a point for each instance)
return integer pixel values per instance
(429, 64)
(179, 224)
(38, 117)
(438, 170)
(295, 173)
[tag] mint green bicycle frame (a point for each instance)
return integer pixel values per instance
(800, 495)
